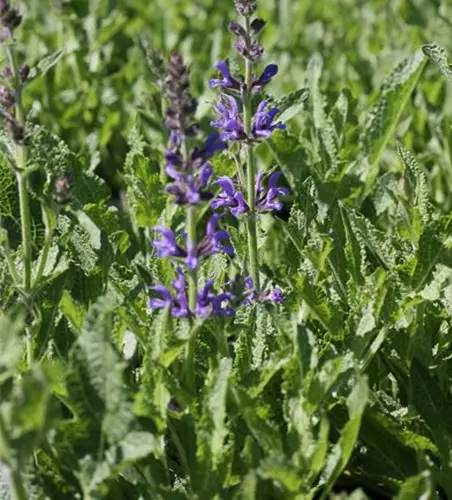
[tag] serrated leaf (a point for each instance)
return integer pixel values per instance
(438, 55)
(290, 104)
(387, 109)
(98, 373)
(45, 64)
(145, 194)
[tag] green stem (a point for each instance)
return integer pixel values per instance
(251, 223)
(21, 165)
(191, 239)
(190, 361)
(46, 249)
(192, 275)
(26, 229)
(24, 203)
(240, 170)
(251, 167)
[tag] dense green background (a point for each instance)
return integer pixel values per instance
(92, 97)
(348, 384)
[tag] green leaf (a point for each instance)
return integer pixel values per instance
(145, 194)
(25, 414)
(290, 104)
(387, 109)
(416, 183)
(45, 64)
(289, 154)
(58, 166)
(213, 430)
(434, 248)
(281, 470)
(98, 373)
(73, 311)
(438, 55)
(342, 451)
(420, 486)
(10, 344)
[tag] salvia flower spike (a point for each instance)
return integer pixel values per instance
(239, 121)
(189, 173)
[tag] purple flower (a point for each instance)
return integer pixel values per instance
(263, 125)
(204, 299)
(178, 303)
(212, 145)
(275, 295)
(207, 302)
(167, 246)
(227, 81)
(190, 179)
(267, 201)
(252, 51)
(218, 305)
(10, 19)
(7, 97)
(229, 121)
(269, 72)
(245, 7)
(214, 241)
(230, 198)
(188, 189)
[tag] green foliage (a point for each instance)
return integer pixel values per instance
(343, 388)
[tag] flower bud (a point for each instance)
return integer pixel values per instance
(258, 25)
(245, 7)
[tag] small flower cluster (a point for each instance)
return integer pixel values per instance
(190, 173)
(207, 302)
(232, 126)
(266, 200)
(10, 19)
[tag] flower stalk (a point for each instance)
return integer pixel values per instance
(21, 170)
(250, 164)
(247, 127)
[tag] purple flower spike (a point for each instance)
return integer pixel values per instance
(230, 198)
(229, 122)
(268, 202)
(214, 241)
(228, 81)
(269, 72)
(167, 246)
(263, 125)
